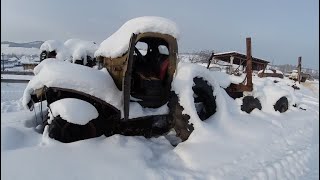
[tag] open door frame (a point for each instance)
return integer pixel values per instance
(127, 79)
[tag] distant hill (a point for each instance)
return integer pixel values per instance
(33, 44)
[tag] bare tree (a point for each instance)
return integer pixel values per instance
(201, 56)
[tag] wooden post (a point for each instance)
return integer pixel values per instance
(299, 69)
(2, 60)
(210, 59)
(264, 68)
(249, 63)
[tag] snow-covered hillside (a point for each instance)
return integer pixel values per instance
(19, 51)
(230, 145)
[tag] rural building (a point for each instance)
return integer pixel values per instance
(241, 59)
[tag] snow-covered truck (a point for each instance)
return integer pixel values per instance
(294, 75)
(132, 95)
(73, 50)
(135, 93)
(50, 49)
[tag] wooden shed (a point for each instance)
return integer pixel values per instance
(241, 59)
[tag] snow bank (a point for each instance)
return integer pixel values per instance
(18, 137)
(10, 96)
(80, 49)
(74, 111)
(118, 43)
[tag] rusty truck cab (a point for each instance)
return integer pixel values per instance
(145, 76)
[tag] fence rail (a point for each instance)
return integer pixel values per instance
(14, 80)
(18, 72)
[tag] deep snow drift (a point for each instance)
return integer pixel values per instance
(231, 144)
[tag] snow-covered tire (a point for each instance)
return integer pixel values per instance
(55, 128)
(281, 105)
(204, 94)
(66, 132)
(249, 103)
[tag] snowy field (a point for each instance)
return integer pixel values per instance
(230, 145)
(19, 51)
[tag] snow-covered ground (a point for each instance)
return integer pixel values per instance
(230, 145)
(19, 51)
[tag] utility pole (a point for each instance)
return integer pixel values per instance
(299, 69)
(249, 63)
(2, 60)
(210, 59)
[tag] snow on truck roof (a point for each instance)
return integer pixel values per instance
(118, 43)
(51, 45)
(76, 48)
(57, 46)
(80, 48)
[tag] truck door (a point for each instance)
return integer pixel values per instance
(127, 78)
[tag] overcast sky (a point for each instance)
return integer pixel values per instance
(281, 30)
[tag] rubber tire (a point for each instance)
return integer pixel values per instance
(55, 128)
(180, 122)
(249, 103)
(66, 132)
(281, 105)
(205, 95)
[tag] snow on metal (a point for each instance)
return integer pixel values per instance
(118, 43)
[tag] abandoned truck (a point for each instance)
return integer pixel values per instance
(132, 95)
(74, 50)
(139, 91)
(294, 75)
